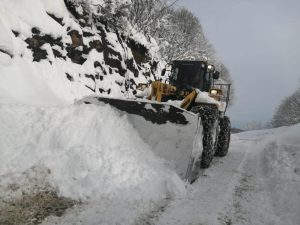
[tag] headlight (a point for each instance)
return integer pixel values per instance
(213, 92)
(210, 67)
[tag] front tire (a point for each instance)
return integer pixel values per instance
(209, 116)
(224, 137)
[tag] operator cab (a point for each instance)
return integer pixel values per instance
(191, 74)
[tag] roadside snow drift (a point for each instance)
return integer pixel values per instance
(88, 152)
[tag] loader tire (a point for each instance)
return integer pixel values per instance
(209, 116)
(224, 137)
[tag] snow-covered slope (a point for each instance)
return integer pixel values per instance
(87, 155)
(52, 53)
(84, 152)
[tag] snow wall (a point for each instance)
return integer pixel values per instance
(81, 154)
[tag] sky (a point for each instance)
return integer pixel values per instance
(259, 41)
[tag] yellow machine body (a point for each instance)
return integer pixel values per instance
(160, 89)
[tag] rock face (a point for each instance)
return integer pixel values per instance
(120, 55)
(90, 55)
(36, 42)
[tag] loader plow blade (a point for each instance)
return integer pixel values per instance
(174, 134)
(155, 112)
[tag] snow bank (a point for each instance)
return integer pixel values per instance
(282, 172)
(171, 142)
(89, 152)
(257, 183)
(276, 166)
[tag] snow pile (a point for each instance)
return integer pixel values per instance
(86, 155)
(282, 173)
(169, 141)
(271, 177)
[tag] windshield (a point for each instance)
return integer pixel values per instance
(174, 75)
(187, 76)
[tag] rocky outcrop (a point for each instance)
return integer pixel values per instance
(96, 55)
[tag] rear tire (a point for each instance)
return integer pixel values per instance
(224, 137)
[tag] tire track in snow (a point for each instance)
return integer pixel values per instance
(238, 183)
(268, 179)
(151, 217)
(243, 210)
(209, 198)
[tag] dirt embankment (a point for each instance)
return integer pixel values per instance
(32, 209)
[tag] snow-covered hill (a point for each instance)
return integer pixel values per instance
(53, 53)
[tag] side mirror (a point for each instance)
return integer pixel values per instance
(216, 75)
(163, 72)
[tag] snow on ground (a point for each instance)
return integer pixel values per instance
(90, 153)
(171, 142)
(123, 179)
(23, 82)
(257, 183)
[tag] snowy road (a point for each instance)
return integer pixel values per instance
(257, 183)
(208, 198)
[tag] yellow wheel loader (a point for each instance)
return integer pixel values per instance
(190, 102)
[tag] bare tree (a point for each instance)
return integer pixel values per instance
(178, 32)
(254, 125)
(288, 112)
(185, 37)
(226, 79)
(149, 16)
(111, 12)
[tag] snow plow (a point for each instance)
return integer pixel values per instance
(182, 118)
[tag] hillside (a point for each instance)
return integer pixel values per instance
(52, 52)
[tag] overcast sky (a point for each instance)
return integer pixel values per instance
(259, 41)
